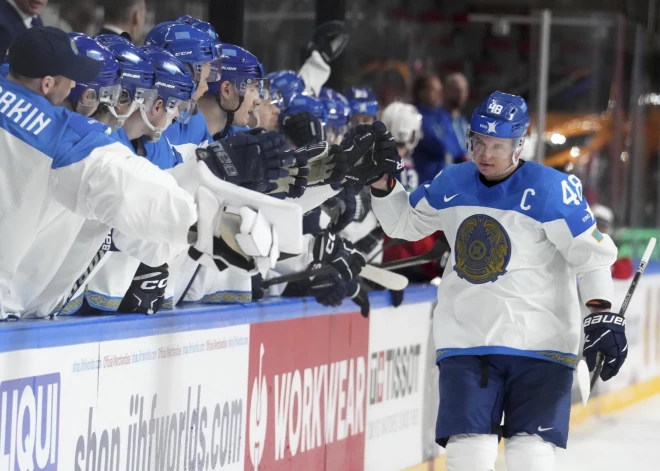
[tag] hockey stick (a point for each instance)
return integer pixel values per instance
(435, 253)
(378, 275)
(626, 301)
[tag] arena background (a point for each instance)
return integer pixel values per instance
(241, 376)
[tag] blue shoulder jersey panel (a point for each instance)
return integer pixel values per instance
(194, 132)
(537, 191)
(566, 201)
(80, 138)
(159, 153)
(52, 130)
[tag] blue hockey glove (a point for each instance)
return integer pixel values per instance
(605, 333)
(383, 160)
(254, 161)
(303, 128)
(328, 290)
(339, 253)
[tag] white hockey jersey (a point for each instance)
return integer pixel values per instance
(58, 166)
(517, 249)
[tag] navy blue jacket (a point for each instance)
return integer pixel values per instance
(11, 25)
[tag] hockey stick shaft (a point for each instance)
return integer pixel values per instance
(626, 301)
(382, 277)
(435, 253)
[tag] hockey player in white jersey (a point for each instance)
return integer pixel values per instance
(61, 164)
(507, 324)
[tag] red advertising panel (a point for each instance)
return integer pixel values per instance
(307, 393)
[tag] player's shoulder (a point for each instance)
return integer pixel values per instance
(453, 179)
(82, 126)
(81, 136)
(456, 175)
(562, 192)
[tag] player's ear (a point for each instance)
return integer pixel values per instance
(47, 84)
(159, 105)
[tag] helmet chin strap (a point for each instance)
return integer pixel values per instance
(230, 114)
(157, 131)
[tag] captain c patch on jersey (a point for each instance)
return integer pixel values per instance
(483, 249)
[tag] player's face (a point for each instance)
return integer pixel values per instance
(57, 89)
(250, 102)
(268, 116)
(203, 85)
(360, 118)
(32, 7)
(492, 155)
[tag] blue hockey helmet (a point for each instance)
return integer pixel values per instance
(188, 44)
(284, 84)
(200, 25)
(362, 100)
(337, 114)
(137, 76)
(106, 87)
(242, 68)
(175, 86)
(501, 115)
(300, 103)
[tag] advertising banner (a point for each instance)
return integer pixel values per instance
(398, 351)
(308, 387)
(42, 395)
(168, 402)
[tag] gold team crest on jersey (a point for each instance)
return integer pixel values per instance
(483, 249)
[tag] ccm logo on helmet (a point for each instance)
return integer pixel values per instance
(184, 53)
(605, 319)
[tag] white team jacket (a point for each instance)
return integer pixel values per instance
(517, 249)
(59, 169)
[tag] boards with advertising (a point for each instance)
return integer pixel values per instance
(307, 388)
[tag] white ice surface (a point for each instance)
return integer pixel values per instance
(628, 440)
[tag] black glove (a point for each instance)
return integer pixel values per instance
(258, 292)
(385, 159)
(341, 209)
(330, 40)
(357, 143)
(339, 254)
(397, 297)
(359, 296)
(253, 161)
(303, 128)
(147, 291)
(330, 289)
(605, 333)
(295, 183)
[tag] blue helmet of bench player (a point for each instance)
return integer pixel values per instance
(175, 86)
(500, 115)
(137, 77)
(299, 103)
(284, 84)
(243, 70)
(362, 100)
(200, 25)
(106, 87)
(188, 44)
(337, 113)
